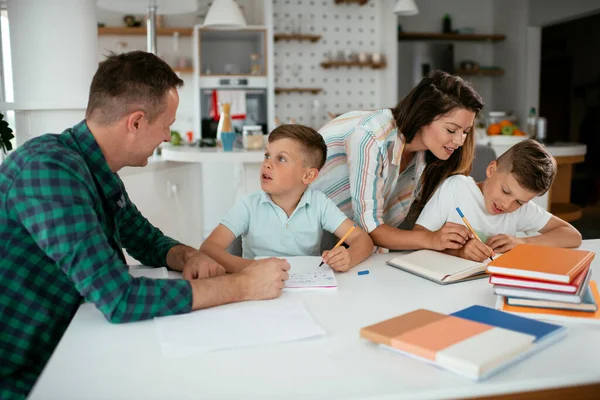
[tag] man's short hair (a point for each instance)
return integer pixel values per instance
(124, 83)
(531, 165)
(314, 146)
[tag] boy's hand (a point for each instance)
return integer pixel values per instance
(449, 236)
(503, 243)
(264, 279)
(475, 250)
(200, 266)
(338, 259)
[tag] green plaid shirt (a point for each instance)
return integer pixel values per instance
(64, 219)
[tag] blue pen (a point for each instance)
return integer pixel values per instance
(462, 216)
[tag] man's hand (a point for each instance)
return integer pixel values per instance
(449, 236)
(338, 259)
(503, 243)
(264, 279)
(475, 250)
(200, 266)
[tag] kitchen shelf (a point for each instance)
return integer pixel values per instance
(279, 90)
(361, 2)
(123, 30)
(466, 37)
(296, 36)
(338, 64)
(480, 72)
(189, 70)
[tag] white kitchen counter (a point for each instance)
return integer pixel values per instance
(211, 155)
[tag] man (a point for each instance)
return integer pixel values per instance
(65, 217)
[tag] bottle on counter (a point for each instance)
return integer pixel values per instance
(531, 123)
(253, 137)
(540, 134)
(224, 122)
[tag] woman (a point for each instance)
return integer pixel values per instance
(383, 163)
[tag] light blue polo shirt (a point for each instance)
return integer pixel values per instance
(266, 229)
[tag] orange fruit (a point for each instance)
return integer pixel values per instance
(505, 122)
(494, 129)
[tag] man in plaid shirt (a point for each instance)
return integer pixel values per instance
(65, 217)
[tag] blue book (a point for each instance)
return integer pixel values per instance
(541, 330)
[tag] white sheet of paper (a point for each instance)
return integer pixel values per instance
(235, 325)
(305, 273)
(147, 272)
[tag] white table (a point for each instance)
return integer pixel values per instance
(98, 360)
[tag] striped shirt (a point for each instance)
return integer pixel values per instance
(362, 172)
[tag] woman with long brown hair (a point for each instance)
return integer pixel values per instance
(383, 163)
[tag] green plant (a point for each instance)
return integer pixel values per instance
(5, 135)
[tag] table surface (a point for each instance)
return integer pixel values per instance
(99, 360)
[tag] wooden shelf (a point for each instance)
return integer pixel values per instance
(481, 72)
(189, 70)
(296, 36)
(338, 64)
(566, 211)
(361, 2)
(123, 30)
(467, 37)
(279, 90)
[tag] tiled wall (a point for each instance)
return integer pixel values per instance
(344, 27)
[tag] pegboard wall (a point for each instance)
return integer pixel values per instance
(346, 27)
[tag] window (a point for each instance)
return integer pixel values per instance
(6, 76)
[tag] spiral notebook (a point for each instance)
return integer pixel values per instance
(306, 274)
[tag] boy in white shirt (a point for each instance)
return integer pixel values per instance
(287, 218)
(501, 206)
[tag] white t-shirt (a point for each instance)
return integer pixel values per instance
(462, 191)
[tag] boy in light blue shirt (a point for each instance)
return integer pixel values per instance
(286, 218)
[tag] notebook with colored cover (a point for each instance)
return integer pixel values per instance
(551, 264)
(548, 314)
(439, 267)
(549, 286)
(537, 294)
(587, 304)
(467, 342)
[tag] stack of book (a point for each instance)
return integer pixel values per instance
(475, 342)
(546, 283)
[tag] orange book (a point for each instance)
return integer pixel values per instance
(550, 314)
(550, 264)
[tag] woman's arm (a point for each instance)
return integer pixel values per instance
(215, 246)
(449, 236)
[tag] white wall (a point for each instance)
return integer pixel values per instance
(548, 12)
(477, 14)
(510, 90)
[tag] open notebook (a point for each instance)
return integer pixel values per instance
(439, 267)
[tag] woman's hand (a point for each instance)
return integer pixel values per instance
(449, 236)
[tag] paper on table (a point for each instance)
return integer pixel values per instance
(305, 273)
(235, 325)
(147, 272)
